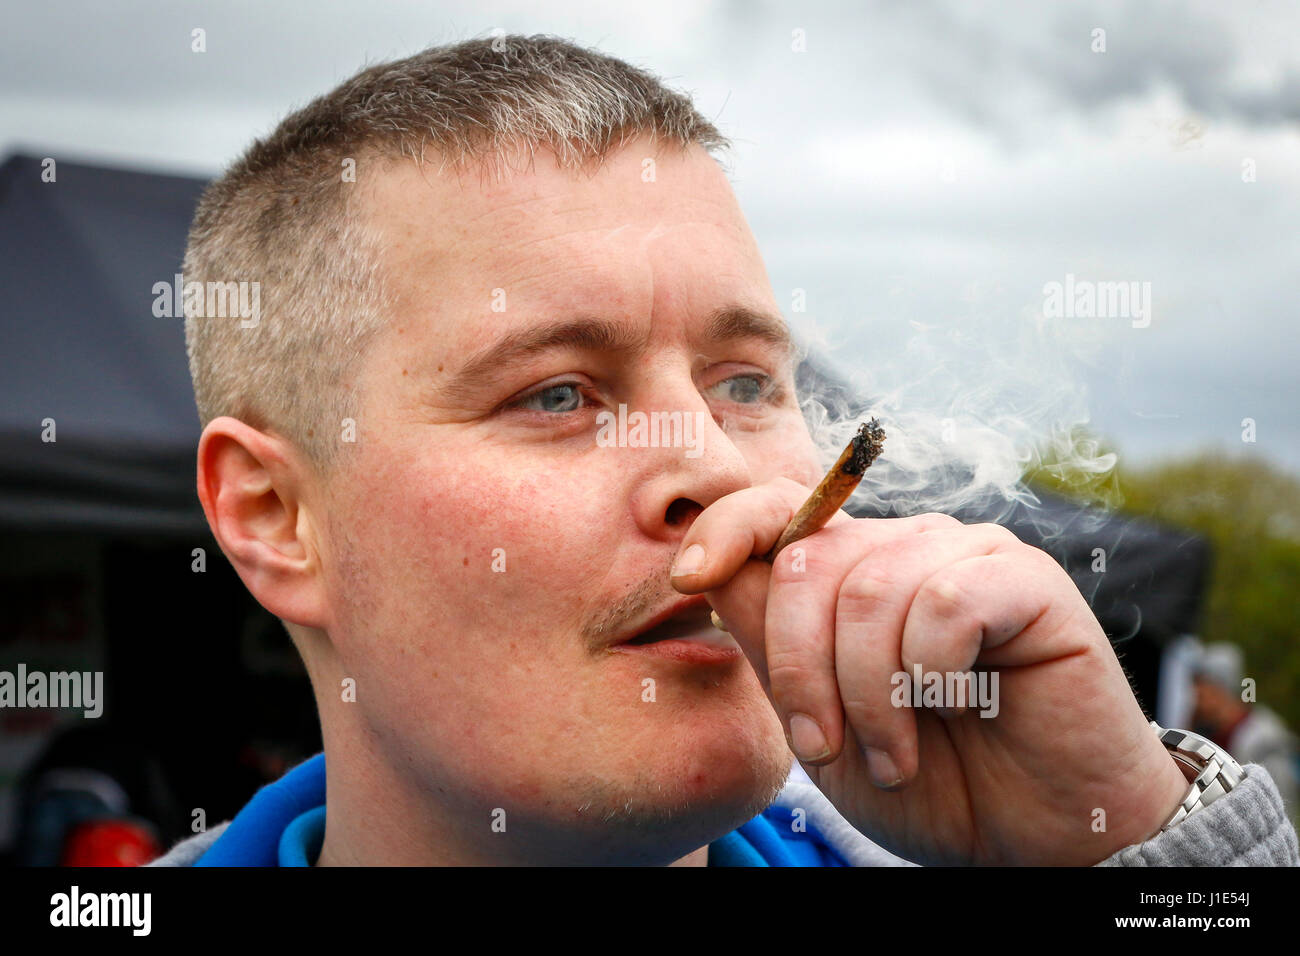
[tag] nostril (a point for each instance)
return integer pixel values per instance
(682, 511)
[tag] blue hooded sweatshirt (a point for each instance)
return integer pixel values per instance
(284, 825)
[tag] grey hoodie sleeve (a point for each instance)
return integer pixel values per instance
(187, 851)
(1247, 827)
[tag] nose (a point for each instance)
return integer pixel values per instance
(682, 513)
(672, 484)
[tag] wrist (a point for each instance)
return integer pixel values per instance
(1168, 787)
(1192, 773)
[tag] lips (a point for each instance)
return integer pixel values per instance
(682, 632)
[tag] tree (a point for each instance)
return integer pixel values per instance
(1250, 512)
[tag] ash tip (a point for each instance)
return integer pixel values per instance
(867, 443)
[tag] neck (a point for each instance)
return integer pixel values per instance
(334, 854)
(698, 857)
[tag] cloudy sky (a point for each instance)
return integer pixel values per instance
(921, 171)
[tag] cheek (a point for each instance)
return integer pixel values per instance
(457, 561)
(457, 597)
(787, 452)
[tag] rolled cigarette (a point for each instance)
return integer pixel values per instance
(835, 489)
(829, 496)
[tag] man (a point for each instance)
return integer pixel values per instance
(470, 261)
(1252, 732)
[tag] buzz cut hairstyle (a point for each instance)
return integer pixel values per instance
(286, 215)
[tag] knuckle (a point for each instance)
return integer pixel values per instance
(787, 570)
(756, 506)
(777, 508)
(789, 484)
(792, 670)
(730, 504)
(800, 562)
(864, 592)
(783, 495)
(935, 521)
(944, 598)
(997, 532)
(1040, 558)
(867, 711)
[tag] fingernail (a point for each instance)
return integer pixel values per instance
(690, 562)
(806, 738)
(883, 770)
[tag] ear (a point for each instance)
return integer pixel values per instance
(252, 486)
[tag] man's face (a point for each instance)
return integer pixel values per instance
(485, 552)
(1209, 708)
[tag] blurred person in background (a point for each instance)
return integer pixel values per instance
(1250, 731)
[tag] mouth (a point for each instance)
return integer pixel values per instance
(683, 633)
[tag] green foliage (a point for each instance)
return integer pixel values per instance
(1250, 512)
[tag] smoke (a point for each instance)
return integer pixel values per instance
(968, 409)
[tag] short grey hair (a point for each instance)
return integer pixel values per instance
(284, 216)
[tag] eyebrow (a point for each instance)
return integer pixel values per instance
(726, 324)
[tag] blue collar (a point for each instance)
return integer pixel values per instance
(284, 825)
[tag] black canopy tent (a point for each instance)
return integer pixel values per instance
(204, 698)
(82, 348)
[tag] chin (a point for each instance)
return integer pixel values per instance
(738, 762)
(692, 786)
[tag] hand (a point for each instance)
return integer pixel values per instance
(1067, 772)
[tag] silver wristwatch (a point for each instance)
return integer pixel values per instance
(1212, 769)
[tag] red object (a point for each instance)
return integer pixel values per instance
(109, 843)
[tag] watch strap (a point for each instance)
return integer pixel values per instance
(1215, 771)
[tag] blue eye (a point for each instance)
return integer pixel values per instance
(745, 389)
(565, 397)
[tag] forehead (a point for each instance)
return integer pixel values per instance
(638, 233)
